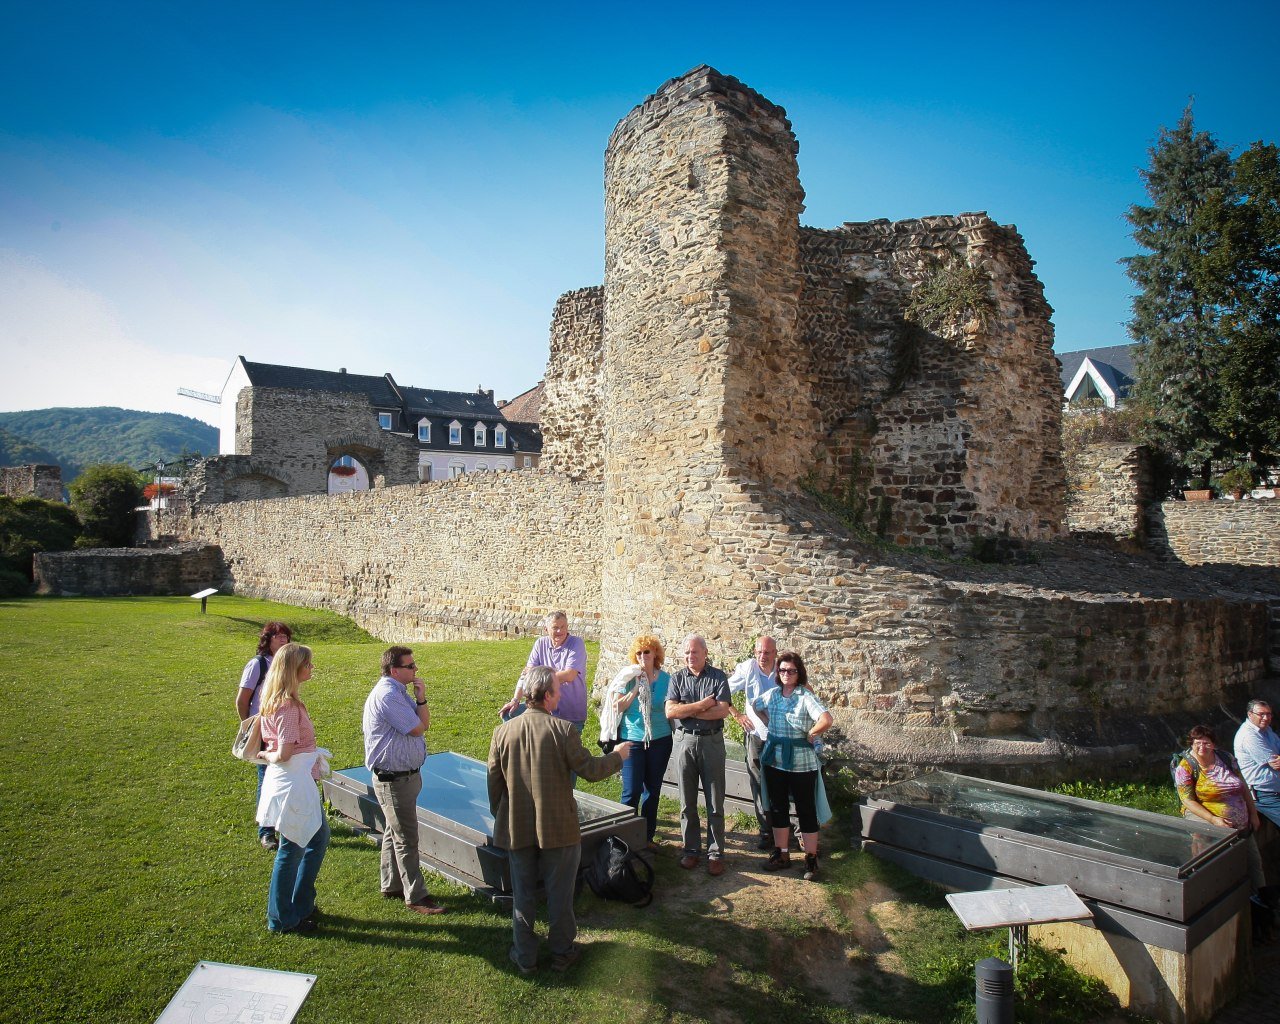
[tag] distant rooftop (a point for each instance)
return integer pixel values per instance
(527, 407)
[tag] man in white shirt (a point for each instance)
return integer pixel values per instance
(1258, 753)
(754, 678)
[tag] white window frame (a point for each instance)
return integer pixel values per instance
(456, 469)
(424, 428)
(500, 436)
(384, 420)
(480, 436)
(455, 433)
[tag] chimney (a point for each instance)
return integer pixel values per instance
(342, 369)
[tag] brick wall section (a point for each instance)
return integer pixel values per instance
(40, 481)
(571, 404)
(1109, 487)
(1217, 532)
(485, 555)
(179, 570)
(963, 445)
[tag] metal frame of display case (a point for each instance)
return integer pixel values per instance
(459, 851)
(1173, 906)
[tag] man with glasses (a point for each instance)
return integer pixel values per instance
(395, 727)
(754, 678)
(1258, 752)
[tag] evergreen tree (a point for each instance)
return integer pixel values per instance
(1175, 320)
(1241, 271)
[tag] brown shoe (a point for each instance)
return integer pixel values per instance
(715, 867)
(426, 905)
(689, 862)
(780, 860)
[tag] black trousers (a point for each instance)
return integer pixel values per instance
(785, 787)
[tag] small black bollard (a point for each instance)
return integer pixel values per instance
(994, 992)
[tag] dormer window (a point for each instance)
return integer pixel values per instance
(424, 431)
(500, 437)
(384, 420)
(455, 432)
(480, 435)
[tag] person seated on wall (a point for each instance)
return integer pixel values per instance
(1258, 751)
(1211, 788)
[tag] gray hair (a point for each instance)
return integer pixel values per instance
(538, 682)
(1257, 704)
(684, 644)
(551, 617)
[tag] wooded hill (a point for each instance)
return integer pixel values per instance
(75, 438)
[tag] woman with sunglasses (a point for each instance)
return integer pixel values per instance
(796, 718)
(639, 697)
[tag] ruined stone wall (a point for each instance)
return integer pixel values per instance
(932, 438)
(484, 555)
(1109, 486)
(181, 569)
(38, 481)
(1217, 532)
(287, 439)
(572, 442)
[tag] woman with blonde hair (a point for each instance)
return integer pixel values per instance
(290, 802)
(638, 695)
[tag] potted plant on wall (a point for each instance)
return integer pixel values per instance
(1196, 490)
(1237, 480)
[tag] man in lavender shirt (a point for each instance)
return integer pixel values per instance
(566, 656)
(395, 726)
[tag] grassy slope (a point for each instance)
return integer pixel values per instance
(127, 854)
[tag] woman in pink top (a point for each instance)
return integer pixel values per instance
(290, 801)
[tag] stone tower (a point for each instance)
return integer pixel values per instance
(705, 387)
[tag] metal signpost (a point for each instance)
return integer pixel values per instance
(203, 597)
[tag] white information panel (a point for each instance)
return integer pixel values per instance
(229, 994)
(1000, 908)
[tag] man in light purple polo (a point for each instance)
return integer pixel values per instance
(566, 656)
(395, 727)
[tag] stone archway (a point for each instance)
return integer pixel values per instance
(347, 473)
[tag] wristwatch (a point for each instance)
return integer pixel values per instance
(420, 702)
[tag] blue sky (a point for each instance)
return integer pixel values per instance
(408, 187)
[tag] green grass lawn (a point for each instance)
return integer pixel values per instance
(128, 853)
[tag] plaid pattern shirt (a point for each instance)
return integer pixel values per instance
(530, 761)
(790, 719)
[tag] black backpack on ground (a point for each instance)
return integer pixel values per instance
(616, 873)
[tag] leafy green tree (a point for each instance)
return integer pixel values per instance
(28, 525)
(1241, 272)
(104, 497)
(1176, 319)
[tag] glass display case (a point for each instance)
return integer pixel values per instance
(455, 826)
(1160, 878)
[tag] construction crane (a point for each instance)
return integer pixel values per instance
(201, 396)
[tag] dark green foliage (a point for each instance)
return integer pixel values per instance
(1241, 271)
(80, 437)
(1207, 311)
(104, 497)
(28, 525)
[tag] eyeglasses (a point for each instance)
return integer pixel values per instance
(1260, 714)
(410, 665)
(788, 671)
(646, 651)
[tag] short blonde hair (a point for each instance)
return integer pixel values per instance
(647, 641)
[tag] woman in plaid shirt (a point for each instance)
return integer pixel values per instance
(796, 718)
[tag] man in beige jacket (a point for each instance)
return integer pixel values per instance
(532, 761)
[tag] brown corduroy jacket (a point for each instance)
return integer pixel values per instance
(530, 761)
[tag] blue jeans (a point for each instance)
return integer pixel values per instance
(642, 772)
(1268, 806)
(292, 894)
(263, 830)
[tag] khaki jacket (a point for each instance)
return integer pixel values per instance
(530, 761)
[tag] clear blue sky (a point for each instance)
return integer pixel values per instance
(409, 187)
